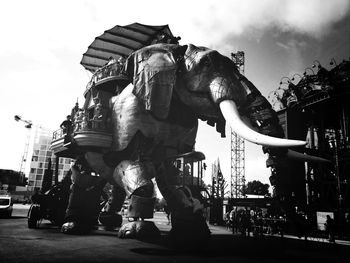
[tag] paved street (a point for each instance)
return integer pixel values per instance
(47, 244)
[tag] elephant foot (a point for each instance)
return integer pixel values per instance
(139, 230)
(189, 232)
(74, 228)
(110, 221)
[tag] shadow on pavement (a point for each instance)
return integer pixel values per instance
(260, 249)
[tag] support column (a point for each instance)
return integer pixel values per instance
(56, 169)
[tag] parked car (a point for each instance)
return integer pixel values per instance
(6, 205)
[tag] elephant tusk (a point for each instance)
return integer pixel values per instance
(231, 115)
(305, 157)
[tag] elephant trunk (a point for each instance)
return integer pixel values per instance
(231, 115)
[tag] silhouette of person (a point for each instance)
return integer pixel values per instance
(66, 125)
(330, 228)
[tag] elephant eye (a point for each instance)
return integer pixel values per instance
(206, 61)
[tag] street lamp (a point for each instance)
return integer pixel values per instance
(313, 73)
(333, 62)
(317, 64)
(281, 81)
(296, 74)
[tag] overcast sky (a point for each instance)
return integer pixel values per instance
(42, 43)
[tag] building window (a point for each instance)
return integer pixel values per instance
(40, 165)
(60, 166)
(39, 177)
(34, 158)
(40, 171)
(61, 160)
(67, 161)
(43, 147)
(32, 170)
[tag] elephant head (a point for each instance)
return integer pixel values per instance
(180, 84)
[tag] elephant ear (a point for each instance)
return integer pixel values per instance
(154, 77)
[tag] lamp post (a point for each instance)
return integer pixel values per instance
(334, 144)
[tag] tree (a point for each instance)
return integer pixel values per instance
(257, 188)
(11, 177)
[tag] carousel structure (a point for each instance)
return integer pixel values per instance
(314, 106)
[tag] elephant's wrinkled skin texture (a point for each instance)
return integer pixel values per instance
(157, 117)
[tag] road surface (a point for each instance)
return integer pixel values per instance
(47, 244)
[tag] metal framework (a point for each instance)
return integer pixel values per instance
(26, 146)
(237, 145)
(218, 181)
(25, 155)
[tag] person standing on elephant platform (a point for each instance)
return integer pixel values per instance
(75, 109)
(98, 116)
(66, 125)
(78, 119)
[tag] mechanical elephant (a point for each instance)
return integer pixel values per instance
(155, 119)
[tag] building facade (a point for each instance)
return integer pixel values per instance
(43, 158)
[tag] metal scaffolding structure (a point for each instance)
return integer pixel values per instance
(26, 146)
(237, 145)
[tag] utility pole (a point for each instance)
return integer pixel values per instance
(237, 144)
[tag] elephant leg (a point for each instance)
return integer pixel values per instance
(136, 177)
(189, 227)
(110, 217)
(84, 203)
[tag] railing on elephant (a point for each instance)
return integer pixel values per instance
(85, 126)
(57, 134)
(91, 125)
(115, 69)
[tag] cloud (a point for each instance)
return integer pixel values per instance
(43, 42)
(314, 18)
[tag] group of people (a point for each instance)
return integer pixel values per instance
(79, 118)
(240, 221)
(113, 67)
(246, 221)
